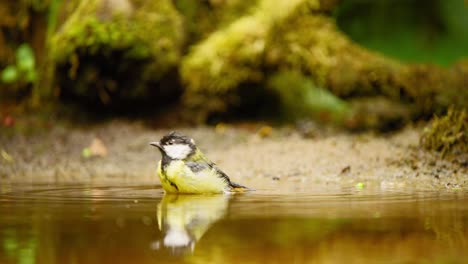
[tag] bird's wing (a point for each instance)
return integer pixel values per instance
(197, 166)
(234, 186)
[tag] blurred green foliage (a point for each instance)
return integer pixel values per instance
(434, 31)
(23, 251)
(52, 16)
(301, 98)
(24, 68)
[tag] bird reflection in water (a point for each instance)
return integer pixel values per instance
(184, 219)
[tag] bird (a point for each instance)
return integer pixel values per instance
(184, 168)
(184, 219)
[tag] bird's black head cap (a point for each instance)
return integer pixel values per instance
(175, 146)
(174, 138)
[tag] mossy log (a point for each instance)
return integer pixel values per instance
(217, 65)
(109, 51)
(203, 17)
(301, 36)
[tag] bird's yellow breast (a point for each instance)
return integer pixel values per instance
(177, 177)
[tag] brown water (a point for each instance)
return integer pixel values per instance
(137, 224)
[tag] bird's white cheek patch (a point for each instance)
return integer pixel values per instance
(178, 151)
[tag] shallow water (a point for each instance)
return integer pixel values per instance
(138, 224)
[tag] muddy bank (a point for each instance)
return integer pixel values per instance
(284, 161)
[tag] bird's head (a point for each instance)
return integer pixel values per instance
(176, 146)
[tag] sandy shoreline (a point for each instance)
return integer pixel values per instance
(283, 161)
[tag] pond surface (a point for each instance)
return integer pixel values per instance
(138, 224)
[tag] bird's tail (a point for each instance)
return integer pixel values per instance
(235, 187)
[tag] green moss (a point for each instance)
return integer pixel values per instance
(148, 30)
(447, 134)
(230, 56)
(204, 17)
(314, 45)
(140, 39)
(351, 71)
(285, 36)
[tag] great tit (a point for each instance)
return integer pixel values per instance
(185, 169)
(184, 219)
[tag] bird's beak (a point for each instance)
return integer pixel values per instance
(155, 144)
